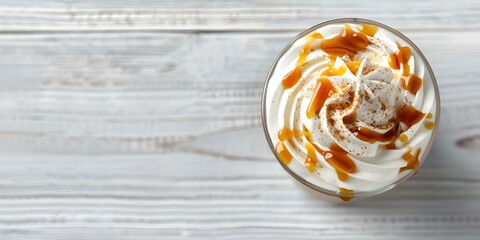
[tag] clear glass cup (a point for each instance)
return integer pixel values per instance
(428, 73)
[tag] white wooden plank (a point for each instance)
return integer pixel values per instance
(230, 15)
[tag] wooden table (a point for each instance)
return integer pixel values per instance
(141, 120)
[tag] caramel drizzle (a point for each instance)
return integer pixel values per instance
(332, 71)
(353, 66)
(283, 153)
(320, 95)
(391, 145)
(311, 160)
(429, 125)
(403, 138)
(409, 115)
(406, 114)
(341, 162)
(370, 136)
(345, 194)
(285, 134)
(400, 58)
(412, 160)
(349, 119)
(306, 48)
(414, 84)
(370, 30)
(293, 76)
(346, 43)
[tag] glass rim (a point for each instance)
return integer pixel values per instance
(354, 21)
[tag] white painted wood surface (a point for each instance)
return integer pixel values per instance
(141, 120)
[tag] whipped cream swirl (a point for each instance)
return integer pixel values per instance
(356, 117)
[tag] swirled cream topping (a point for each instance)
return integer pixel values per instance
(350, 108)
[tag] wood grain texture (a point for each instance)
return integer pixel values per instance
(141, 120)
(236, 15)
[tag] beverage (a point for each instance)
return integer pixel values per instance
(350, 107)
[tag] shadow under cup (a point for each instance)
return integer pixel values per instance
(270, 133)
